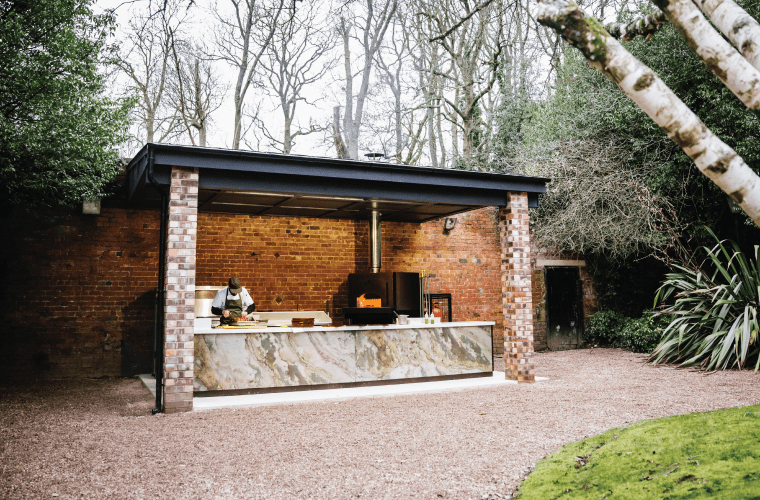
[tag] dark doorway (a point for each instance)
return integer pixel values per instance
(564, 309)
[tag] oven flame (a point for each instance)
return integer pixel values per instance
(362, 301)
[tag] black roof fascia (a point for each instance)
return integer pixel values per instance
(350, 188)
(228, 169)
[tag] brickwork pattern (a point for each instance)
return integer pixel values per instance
(538, 280)
(465, 262)
(292, 263)
(516, 289)
(91, 280)
(180, 290)
(78, 293)
(590, 302)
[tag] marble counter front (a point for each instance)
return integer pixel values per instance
(277, 358)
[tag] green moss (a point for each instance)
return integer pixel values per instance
(598, 48)
(701, 455)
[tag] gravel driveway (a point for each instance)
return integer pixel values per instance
(97, 439)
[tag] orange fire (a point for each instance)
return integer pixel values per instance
(362, 301)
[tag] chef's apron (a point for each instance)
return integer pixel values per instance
(235, 307)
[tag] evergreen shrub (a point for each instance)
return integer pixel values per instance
(605, 327)
(642, 334)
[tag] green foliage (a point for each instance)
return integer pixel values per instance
(58, 131)
(642, 334)
(628, 286)
(611, 328)
(701, 455)
(714, 311)
(586, 106)
(604, 328)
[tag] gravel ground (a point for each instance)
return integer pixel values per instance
(97, 439)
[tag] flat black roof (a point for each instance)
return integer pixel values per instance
(249, 182)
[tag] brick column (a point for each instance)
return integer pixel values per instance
(517, 302)
(180, 290)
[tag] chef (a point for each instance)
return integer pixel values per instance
(232, 302)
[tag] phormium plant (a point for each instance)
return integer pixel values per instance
(713, 311)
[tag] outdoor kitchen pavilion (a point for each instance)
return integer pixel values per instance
(183, 181)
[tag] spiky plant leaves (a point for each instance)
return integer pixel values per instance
(713, 310)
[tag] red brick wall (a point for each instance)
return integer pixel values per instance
(289, 263)
(539, 255)
(78, 291)
(180, 291)
(516, 289)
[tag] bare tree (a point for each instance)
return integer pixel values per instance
(712, 156)
(196, 90)
(594, 203)
(241, 40)
(393, 60)
(472, 37)
(371, 20)
(146, 61)
(296, 58)
(427, 64)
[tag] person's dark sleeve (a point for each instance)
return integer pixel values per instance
(250, 308)
(216, 310)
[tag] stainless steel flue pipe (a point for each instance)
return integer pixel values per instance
(375, 237)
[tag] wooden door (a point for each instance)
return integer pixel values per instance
(564, 309)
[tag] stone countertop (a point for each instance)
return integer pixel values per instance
(280, 329)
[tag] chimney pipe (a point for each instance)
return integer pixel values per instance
(375, 237)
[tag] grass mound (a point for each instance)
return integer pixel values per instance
(701, 455)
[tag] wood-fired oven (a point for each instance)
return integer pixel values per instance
(399, 292)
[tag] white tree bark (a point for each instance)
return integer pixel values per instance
(644, 26)
(719, 56)
(738, 26)
(711, 155)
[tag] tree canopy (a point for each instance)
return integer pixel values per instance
(58, 130)
(621, 188)
(588, 113)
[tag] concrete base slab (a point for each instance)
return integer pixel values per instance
(149, 381)
(211, 403)
(278, 398)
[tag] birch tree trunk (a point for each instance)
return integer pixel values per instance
(719, 56)
(712, 156)
(739, 27)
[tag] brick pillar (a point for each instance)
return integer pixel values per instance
(180, 290)
(517, 302)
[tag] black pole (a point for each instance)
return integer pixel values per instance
(158, 326)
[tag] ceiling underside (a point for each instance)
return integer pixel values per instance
(261, 184)
(323, 207)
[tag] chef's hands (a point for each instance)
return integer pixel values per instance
(226, 313)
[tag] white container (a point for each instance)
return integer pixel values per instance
(403, 319)
(201, 323)
(416, 321)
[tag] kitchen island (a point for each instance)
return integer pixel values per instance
(273, 359)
